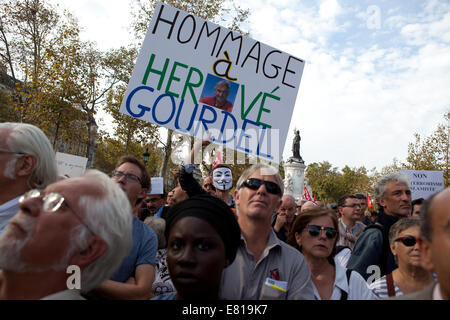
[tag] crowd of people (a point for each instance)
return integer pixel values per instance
(102, 237)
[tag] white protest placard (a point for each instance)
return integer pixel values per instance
(70, 165)
(424, 183)
(157, 186)
(178, 83)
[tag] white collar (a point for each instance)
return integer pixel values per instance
(9, 204)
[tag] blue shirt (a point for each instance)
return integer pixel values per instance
(145, 245)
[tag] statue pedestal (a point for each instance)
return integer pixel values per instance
(294, 173)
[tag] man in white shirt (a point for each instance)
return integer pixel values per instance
(27, 161)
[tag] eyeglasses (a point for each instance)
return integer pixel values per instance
(9, 151)
(408, 241)
(128, 176)
(314, 231)
(52, 202)
(352, 205)
(255, 184)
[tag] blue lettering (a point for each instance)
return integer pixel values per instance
(227, 115)
(177, 125)
(156, 103)
(260, 141)
(143, 108)
(204, 121)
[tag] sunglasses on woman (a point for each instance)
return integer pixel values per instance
(314, 231)
(254, 184)
(408, 241)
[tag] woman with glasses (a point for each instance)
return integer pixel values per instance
(409, 276)
(315, 234)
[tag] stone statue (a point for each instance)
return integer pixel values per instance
(288, 184)
(296, 145)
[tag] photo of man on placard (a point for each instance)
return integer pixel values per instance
(219, 93)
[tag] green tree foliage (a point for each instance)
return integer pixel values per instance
(329, 184)
(431, 152)
(217, 11)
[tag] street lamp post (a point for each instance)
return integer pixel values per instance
(145, 156)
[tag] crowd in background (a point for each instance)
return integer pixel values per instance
(104, 236)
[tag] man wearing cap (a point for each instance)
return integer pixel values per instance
(265, 267)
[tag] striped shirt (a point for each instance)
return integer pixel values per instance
(379, 288)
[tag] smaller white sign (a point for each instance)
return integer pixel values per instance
(70, 165)
(424, 183)
(157, 186)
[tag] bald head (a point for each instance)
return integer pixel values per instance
(308, 206)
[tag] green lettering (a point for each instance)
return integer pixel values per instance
(192, 85)
(262, 109)
(161, 73)
(172, 77)
(245, 113)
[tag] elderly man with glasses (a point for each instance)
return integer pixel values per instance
(134, 278)
(27, 161)
(65, 240)
(265, 267)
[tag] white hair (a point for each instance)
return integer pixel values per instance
(110, 218)
(29, 139)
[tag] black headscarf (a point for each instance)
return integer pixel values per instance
(216, 213)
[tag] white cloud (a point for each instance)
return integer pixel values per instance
(364, 92)
(329, 9)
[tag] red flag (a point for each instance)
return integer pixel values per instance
(306, 195)
(314, 196)
(218, 159)
(369, 202)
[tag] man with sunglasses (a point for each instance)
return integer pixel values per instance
(27, 161)
(265, 267)
(350, 228)
(371, 254)
(65, 240)
(134, 278)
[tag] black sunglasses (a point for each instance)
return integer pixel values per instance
(408, 241)
(254, 184)
(314, 231)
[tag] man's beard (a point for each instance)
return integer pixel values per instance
(11, 248)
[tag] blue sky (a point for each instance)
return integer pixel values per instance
(376, 71)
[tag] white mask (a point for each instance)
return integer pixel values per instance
(223, 179)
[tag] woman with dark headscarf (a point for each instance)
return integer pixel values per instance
(203, 237)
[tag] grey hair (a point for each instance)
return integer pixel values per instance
(290, 196)
(380, 188)
(223, 83)
(29, 139)
(265, 170)
(159, 226)
(110, 217)
(400, 226)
